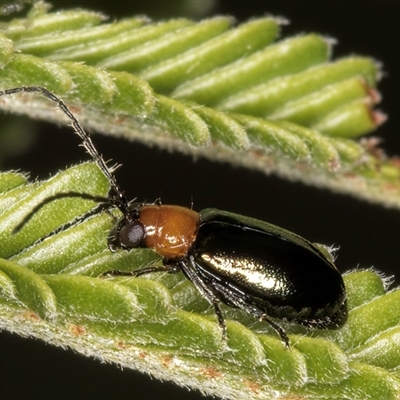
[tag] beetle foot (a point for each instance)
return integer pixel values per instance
(279, 330)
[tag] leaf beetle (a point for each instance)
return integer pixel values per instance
(240, 261)
(263, 269)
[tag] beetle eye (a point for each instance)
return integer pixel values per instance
(132, 234)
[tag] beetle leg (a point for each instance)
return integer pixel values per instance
(220, 316)
(171, 268)
(280, 331)
(238, 302)
(205, 290)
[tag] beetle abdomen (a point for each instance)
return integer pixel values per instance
(276, 271)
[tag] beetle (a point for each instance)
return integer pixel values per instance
(240, 261)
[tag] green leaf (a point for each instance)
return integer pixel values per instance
(242, 41)
(200, 87)
(39, 22)
(232, 93)
(112, 45)
(287, 57)
(11, 180)
(48, 43)
(52, 214)
(167, 46)
(30, 289)
(56, 287)
(266, 98)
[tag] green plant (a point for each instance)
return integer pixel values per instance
(45, 291)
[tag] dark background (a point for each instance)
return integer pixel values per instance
(367, 234)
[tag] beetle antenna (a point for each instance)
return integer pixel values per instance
(118, 198)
